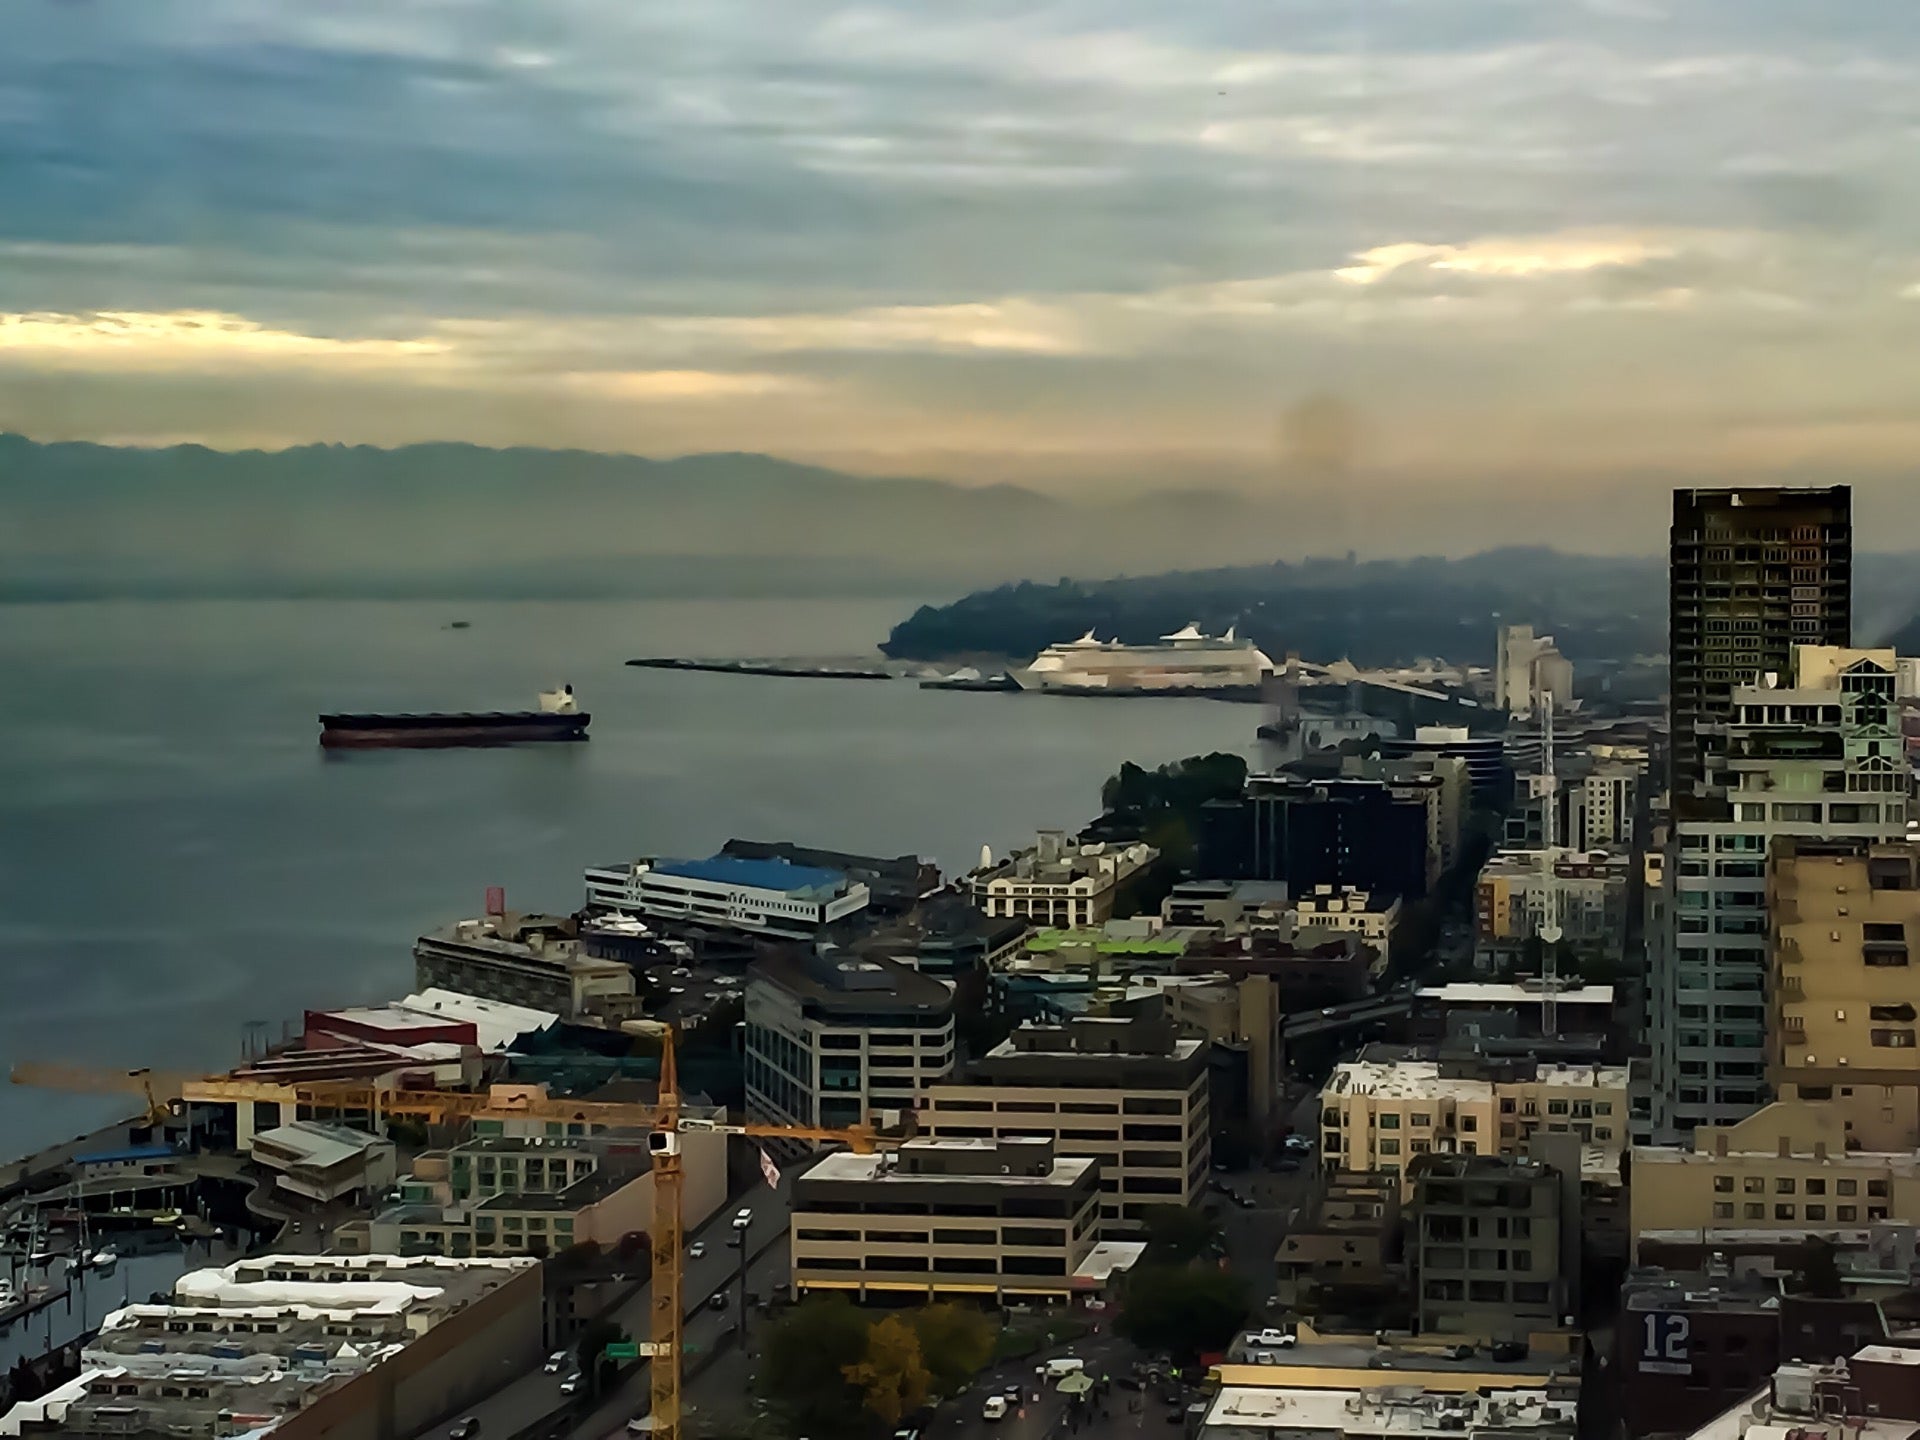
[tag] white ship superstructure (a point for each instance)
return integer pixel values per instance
(1184, 660)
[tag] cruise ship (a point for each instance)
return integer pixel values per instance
(1186, 660)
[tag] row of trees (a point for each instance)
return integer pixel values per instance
(832, 1368)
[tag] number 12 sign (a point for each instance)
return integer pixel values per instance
(1664, 1337)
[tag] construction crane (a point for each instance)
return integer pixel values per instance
(159, 1090)
(666, 1120)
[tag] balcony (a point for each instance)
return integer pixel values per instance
(1789, 987)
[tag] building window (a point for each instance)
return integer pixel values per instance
(1389, 1121)
(1816, 1212)
(1754, 1185)
(1756, 1212)
(1723, 1210)
(1783, 1212)
(1876, 1187)
(1815, 1186)
(1846, 1187)
(1783, 1185)
(1389, 1147)
(1723, 1184)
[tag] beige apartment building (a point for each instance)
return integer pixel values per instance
(1060, 882)
(1130, 1093)
(1845, 917)
(1379, 1115)
(1787, 1167)
(948, 1219)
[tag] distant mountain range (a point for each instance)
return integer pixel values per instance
(458, 520)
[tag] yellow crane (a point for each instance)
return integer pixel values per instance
(665, 1120)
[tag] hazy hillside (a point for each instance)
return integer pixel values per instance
(1380, 612)
(457, 519)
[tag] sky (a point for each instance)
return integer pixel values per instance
(1509, 245)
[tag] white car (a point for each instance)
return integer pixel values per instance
(743, 1217)
(995, 1408)
(640, 1425)
(696, 1249)
(571, 1385)
(556, 1362)
(1277, 1339)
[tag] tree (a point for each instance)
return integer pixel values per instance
(1181, 1310)
(804, 1368)
(955, 1343)
(1175, 1234)
(893, 1377)
(591, 1347)
(1819, 1272)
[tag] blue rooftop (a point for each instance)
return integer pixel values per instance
(759, 874)
(119, 1157)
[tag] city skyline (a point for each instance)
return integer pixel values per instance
(1615, 247)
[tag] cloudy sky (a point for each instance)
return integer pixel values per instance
(1130, 241)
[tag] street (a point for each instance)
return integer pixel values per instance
(524, 1401)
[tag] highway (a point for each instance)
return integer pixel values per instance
(531, 1398)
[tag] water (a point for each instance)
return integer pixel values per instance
(178, 857)
(95, 1296)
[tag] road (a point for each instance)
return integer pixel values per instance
(707, 1328)
(530, 1398)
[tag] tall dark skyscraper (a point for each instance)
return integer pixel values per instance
(1751, 573)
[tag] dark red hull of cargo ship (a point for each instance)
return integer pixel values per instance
(446, 731)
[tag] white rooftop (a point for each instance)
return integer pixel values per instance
(1421, 1079)
(845, 1165)
(1388, 1410)
(1107, 1257)
(496, 1024)
(318, 1144)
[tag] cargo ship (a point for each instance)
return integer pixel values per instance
(558, 718)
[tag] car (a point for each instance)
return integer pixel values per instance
(465, 1429)
(743, 1216)
(1012, 1393)
(1298, 1143)
(995, 1408)
(571, 1385)
(1060, 1366)
(696, 1249)
(1508, 1350)
(1327, 1012)
(556, 1362)
(1262, 1357)
(1278, 1339)
(640, 1425)
(717, 1300)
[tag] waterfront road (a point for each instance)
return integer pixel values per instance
(524, 1401)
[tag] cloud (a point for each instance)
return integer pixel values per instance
(134, 340)
(1070, 232)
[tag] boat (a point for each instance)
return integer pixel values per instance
(968, 678)
(558, 718)
(1186, 662)
(104, 1260)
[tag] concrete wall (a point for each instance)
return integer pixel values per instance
(461, 1359)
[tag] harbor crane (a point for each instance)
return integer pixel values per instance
(666, 1121)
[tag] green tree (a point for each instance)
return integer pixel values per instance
(956, 1343)
(1818, 1272)
(1175, 1234)
(893, 1375)
(804, 1366)
(1182, 1310)
(590, 1350)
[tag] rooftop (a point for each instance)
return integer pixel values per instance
(1401, 1408)
(497, 1023)
(780, 875)
(843, 981)
(844, 1165)
(1422, 1079)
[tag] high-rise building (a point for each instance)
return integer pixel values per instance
(1525, 668)
(1846, 915)
(1818, 759)
(1751, 573)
